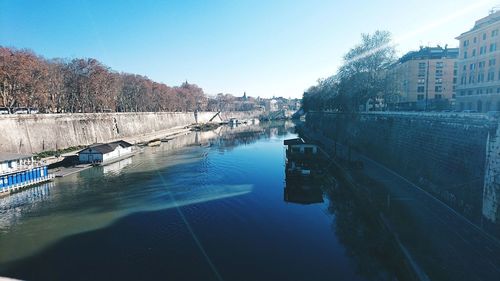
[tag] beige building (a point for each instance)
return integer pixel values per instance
(424, 79)
(479, 66)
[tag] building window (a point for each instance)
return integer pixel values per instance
(420, 97)
(420, 89)
(492, 62)
(462, 93)
(437, 96)
(491, 75)
(438, 89)
(464, 68)
(455, 72)
(480, 77)
(439, 64)
(498, 90)
(421, 65)
(469, 92)
(474, 52)
(439, 72)
(471, 78)
(439, 81)
(421, 80)
(489, 91)
(484, 36)
(494, 33)
(474, 40)
(493, 47)
(465, 54)
(479, 91)
(466, 43)
(482, 50)
(472, 66)
(482, 64)
(454, 80)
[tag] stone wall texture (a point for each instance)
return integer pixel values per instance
(40, 132)
(446, 154)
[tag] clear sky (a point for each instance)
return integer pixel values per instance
(264, 47)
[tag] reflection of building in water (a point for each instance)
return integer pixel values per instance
(302, 191)
(303, 166)
(273, 132)
(302, 158)
(116, 167)
(14, 206)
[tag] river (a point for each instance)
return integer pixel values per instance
(204, 206)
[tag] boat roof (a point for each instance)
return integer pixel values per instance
(8, 156)
(108, 147)
(294, 141)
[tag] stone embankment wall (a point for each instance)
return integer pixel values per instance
(40, 132)
(446, 154)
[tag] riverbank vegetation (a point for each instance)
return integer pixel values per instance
(86, 85)
(59, 152)
(28, 80)
(361, 82)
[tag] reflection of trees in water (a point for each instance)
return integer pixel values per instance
(358, 230)
(231, 137)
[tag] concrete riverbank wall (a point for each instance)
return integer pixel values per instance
(454, 157)
(41, 132)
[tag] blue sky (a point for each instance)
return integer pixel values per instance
(266, 48)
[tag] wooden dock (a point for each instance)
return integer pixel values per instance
(66, 171)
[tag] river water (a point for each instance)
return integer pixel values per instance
(204, 206)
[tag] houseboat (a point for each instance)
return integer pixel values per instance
(303, 168)
(18, 171)
(106, 153)
(302, 159)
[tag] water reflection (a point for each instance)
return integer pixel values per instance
(116, 167)
(15, 206)
(302, 193)
(220, 191)
(367, 243)
(385, 220)
(99, 196)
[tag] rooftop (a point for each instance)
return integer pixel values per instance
(430, 53)
(8, 156)
(490, 19)
(294, 141)
(108, 147)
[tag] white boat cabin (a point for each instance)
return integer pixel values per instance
(13, 162)
(105, 152)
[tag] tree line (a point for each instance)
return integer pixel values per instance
(87, 85)
(361, 83)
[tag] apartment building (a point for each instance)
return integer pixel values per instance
(424, 79)
(479, 66)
